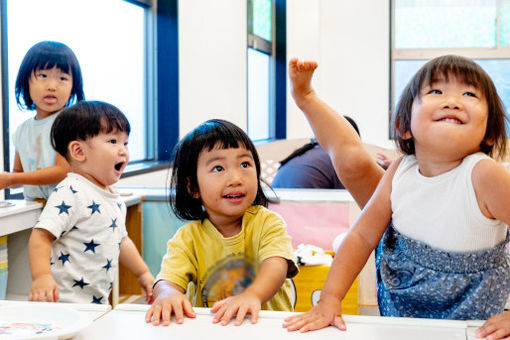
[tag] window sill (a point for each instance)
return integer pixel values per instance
(144, 167)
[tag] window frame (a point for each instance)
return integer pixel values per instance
(157, 138)
(276, 48)
(397, 54)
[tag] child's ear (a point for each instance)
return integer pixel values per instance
(406, 135)
(76, 151)
(193, 193)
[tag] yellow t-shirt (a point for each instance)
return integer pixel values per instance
(220, 267)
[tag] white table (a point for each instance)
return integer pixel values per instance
(128, 322)
(93, 310)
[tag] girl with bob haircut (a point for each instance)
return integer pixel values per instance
(439, 215)
(48, 80)
(236, 254)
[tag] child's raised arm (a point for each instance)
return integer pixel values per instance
(349, 260)
(359, 173)
(44, 287)
(49, 175)
(131, 258)
(269, 279)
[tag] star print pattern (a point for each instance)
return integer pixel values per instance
(91, 246)
(63, 208)
(91, 222)
(114, 224)
(108, 265)
(81, 283)
(64, 258)
(95, 207)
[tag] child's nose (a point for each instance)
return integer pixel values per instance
(452, 102)
(51, 84)
(235, 177)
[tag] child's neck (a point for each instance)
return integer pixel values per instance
(431, 165)
(226, 226)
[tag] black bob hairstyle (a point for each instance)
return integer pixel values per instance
(43, 56)
(214, 133)
(464, 70)
(84, 120)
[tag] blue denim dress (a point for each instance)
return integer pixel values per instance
(416, 280)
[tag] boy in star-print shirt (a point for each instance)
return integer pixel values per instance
(76, 245)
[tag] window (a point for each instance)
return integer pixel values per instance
(477, 29)
(111, 41)
(260, 70)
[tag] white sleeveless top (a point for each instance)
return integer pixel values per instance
(442, 211)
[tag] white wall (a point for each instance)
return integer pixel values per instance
(349, 39)
(212, 62)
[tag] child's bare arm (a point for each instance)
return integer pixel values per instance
(131, 258)
(44, 287)
(49, 175)
(359, 173)
(269, 279)
(349, 260)
(492, 187)
(168, 298)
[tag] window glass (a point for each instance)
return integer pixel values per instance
(258, 95)
(262, 18)
(498, 70)
(445, 23)
(108, 39)
(504, 38)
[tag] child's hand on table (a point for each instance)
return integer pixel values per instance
(146, 280)
(497, 327)
(327, 312)
(44, 288)
(241, 305)
(169, 299)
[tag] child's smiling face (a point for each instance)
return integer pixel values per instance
(227, 183)
(106, 156)
(50, 90)
(449, 119)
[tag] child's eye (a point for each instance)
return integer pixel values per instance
(470, 94)
(64, 78)
(435, 92)
(126, 144)
(245, 164)
(41, 75)
(217, 168)
(113, 141)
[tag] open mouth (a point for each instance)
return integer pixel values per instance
(118, 166)
(450, 120)
(231, 196)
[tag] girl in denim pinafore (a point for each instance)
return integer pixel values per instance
(439, 215)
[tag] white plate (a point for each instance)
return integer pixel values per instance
(41, 321)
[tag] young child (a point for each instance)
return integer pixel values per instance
(49, 79)
(77, 243)
(236, 254)
(441, 210)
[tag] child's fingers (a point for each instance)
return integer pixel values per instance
(188, 309)
(293, 62)
(166, 314)
(148, 315)
(179, 314)
(217, 305)
(156, 314)
(255, 315)
(241, 313)
(56, 294)
(339, 323)
(229, 313)
(294, 323)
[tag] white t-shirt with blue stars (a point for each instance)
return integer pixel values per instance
(89, 224)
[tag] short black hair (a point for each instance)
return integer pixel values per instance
(84, 120)
(43, 56)
(467, 71)
(214, 133)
